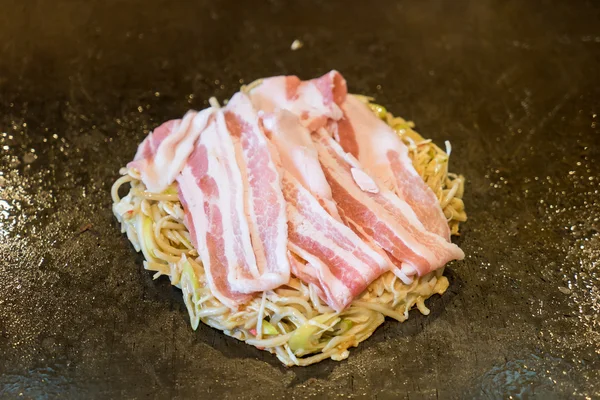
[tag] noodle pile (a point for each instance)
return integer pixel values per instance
(290, 321)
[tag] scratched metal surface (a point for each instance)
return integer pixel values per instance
(514, 85)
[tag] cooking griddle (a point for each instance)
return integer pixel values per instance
(513, 85)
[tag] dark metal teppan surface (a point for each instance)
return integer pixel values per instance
(513, 85)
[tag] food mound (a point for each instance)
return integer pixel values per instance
(295, 218)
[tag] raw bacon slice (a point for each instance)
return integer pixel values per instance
(343, 264)
(162, 155)
(390, 221)
(383, 155)
(314, 101)
(298, 155)
(263, 201)
(213, 205)
(216, 198)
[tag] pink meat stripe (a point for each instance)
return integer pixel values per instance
(383, 155)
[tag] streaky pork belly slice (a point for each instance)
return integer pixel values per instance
(298, 155)
(315, 101)
(215, 198)
(214, 216)
(337, 258)
(381, 215)
(263, 200)
(384, 156)
(163, 153)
